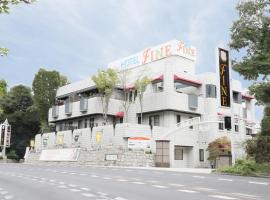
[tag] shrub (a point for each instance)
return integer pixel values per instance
(12, 155)
(247, 167)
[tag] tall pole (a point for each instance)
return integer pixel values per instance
(5, 140)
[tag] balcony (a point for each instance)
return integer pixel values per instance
(172, 101)
(90, 106)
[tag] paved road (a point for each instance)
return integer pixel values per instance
(56, 182)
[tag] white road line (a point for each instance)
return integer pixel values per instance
(8, 197)
(258, 183)
(102, 193)
(246, 195)
(62, 186)
(176, 185)
(94, 176)
(121, 180)
(138, 183)
(72, 185)
(201, 177)
(3, 192)
(152, 181)
(204, 189)
(106, 178)
(225, 179)
(160, 186)
(88, 195)
(222, 197)
(85, 189)
(120, 198)
(74, 190)
(188, 191)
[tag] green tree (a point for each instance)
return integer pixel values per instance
(3, 88)
(218, 147)
(140, 86)
(5, 4)
(4, 8)
(250, 34)
(44, 87)
(106, 81)
(22, 115)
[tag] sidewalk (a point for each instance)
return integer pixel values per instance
(185, 170)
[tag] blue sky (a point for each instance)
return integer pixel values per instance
(78, 37)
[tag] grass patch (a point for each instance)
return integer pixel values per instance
(247, 168)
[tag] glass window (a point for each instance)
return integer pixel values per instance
(91, 122)
(139, 120)
(237, 97)
(178, 153)
(211, 91)
(178, 118)
(157, 86)
(236, 128)
(154, 120)
(221, 126)
(248, 131)
(85, 123)
(201, 151)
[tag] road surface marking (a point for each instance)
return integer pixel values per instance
(85, 189)
(62, 186)
(121, 180)
(74, 190)
(176, 185)
(82, 174)
(151, 181)
(138, 183)
(201, 177)
(72, 185)
(88, 195)
(102, 193)
(258, 183)
(160, 186)
(225, 179)
(204, 189)
(222, 197)
(3, 192)
(120, 198)
(246, 195)
(8, 197)
(106, 178)
(94, 176)
(188, 191)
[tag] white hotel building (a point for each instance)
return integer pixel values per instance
(184, 109)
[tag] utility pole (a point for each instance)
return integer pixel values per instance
(6, 137)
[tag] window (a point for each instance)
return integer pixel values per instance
(158, 86)
(220, 126)
(121, 120)
(191, 127)
(178, 118)
(91, 122)
(201, 154)
(154, 120)
(237, 97)
(139, 120)
(248, 131)
(85, 123)
(236, 128)
(79, 124)
(178, 153)
(211, 91)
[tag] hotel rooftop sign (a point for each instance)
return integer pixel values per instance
(152, 54)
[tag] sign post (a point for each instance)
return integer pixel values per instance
(5, 137)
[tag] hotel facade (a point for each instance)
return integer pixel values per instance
(182, 111)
